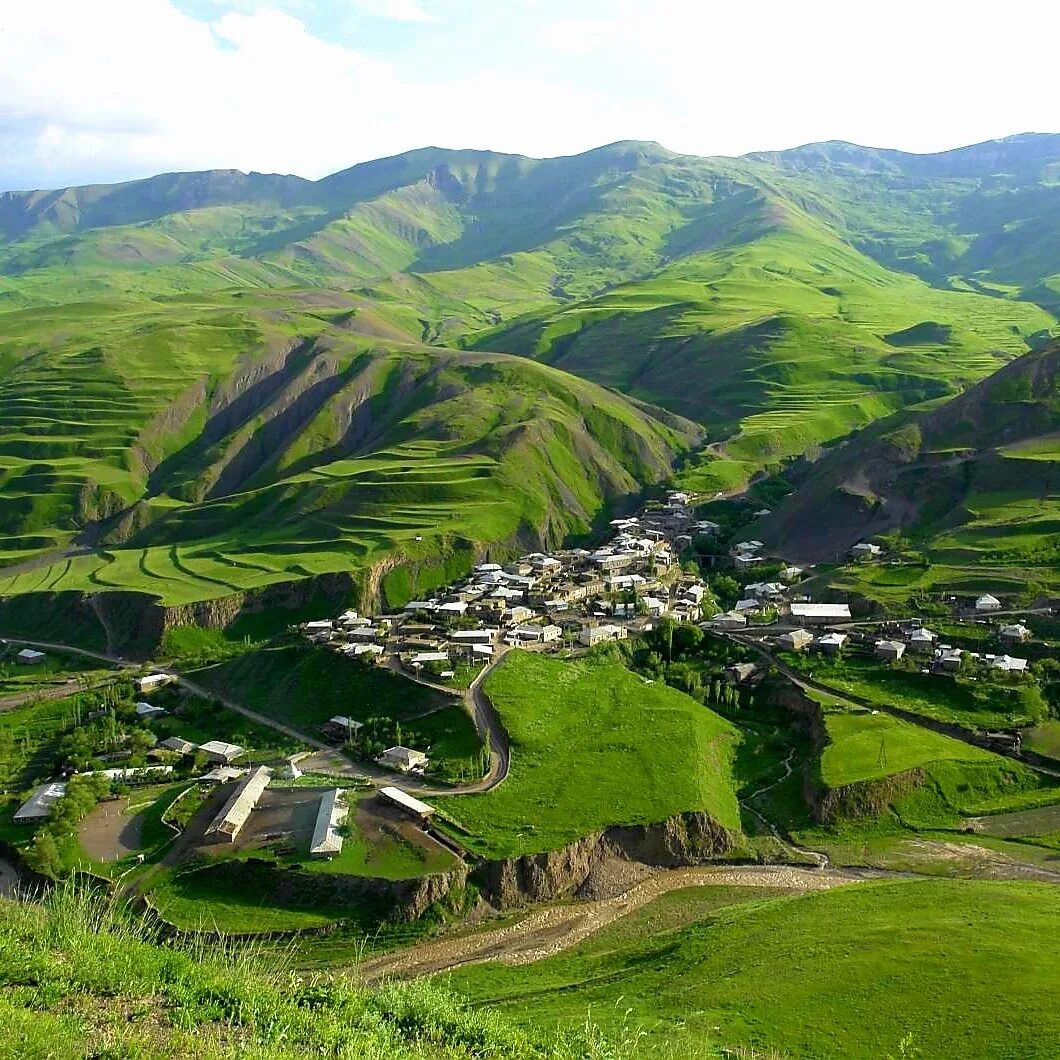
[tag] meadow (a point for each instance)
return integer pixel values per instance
(872, 969)
(593, 744)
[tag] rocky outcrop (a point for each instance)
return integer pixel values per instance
(686, 839)
(865, 799)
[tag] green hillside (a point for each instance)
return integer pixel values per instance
(915, 968)
(217, 381)
(213, 445)
(972, 484)
(78, 978)
(595, 745)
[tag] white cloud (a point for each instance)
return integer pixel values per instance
(396, 10)
(122, 88)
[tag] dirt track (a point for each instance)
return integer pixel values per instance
(556, 928)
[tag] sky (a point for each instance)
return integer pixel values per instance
(107, 90)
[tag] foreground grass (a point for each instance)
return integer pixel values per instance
(949, 968)
(593, 745)
(78, 979)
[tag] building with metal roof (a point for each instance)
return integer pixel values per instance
(327, 837)
(229, 822)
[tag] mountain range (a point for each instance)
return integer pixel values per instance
(212, 382)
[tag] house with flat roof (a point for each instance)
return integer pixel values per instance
(811, 614)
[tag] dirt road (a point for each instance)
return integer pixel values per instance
(555, 928)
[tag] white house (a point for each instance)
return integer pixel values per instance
(729, 620)
(796, 640)
(987, 603)
(591, 635)
(403, 759)
(1008, 664)
(922, 640)
(830, 643)
(1017, 633)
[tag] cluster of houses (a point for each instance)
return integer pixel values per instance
(541, 600)
(913, 639)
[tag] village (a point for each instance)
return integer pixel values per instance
(661, 567)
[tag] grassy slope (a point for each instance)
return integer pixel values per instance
(767, 277)
(847, 973)
(595, 745)
(331, 454)
(112, 990)
(973, 483)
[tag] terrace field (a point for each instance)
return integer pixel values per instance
(593, 745)
(852, 972)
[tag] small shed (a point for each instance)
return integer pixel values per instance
(30, 657)
(178, 745)
(148, 710)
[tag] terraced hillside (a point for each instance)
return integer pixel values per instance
(204, 450)
(973, 484)
(216, 381)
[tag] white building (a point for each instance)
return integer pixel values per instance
(830, 643)
(810, 614)
(922, 640)
(1007, 663)
(152, 682)
(146, 710)
(327, 835)
(30, 657)
(866, 550)
(729, 620)
(403, 759)
(239, 806)
(796, 640)
(592, 635)
(1016, 633)
(987, 603)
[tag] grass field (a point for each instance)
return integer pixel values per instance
(974, 705)
(864, 746)
(933, 968)
(593, 745)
